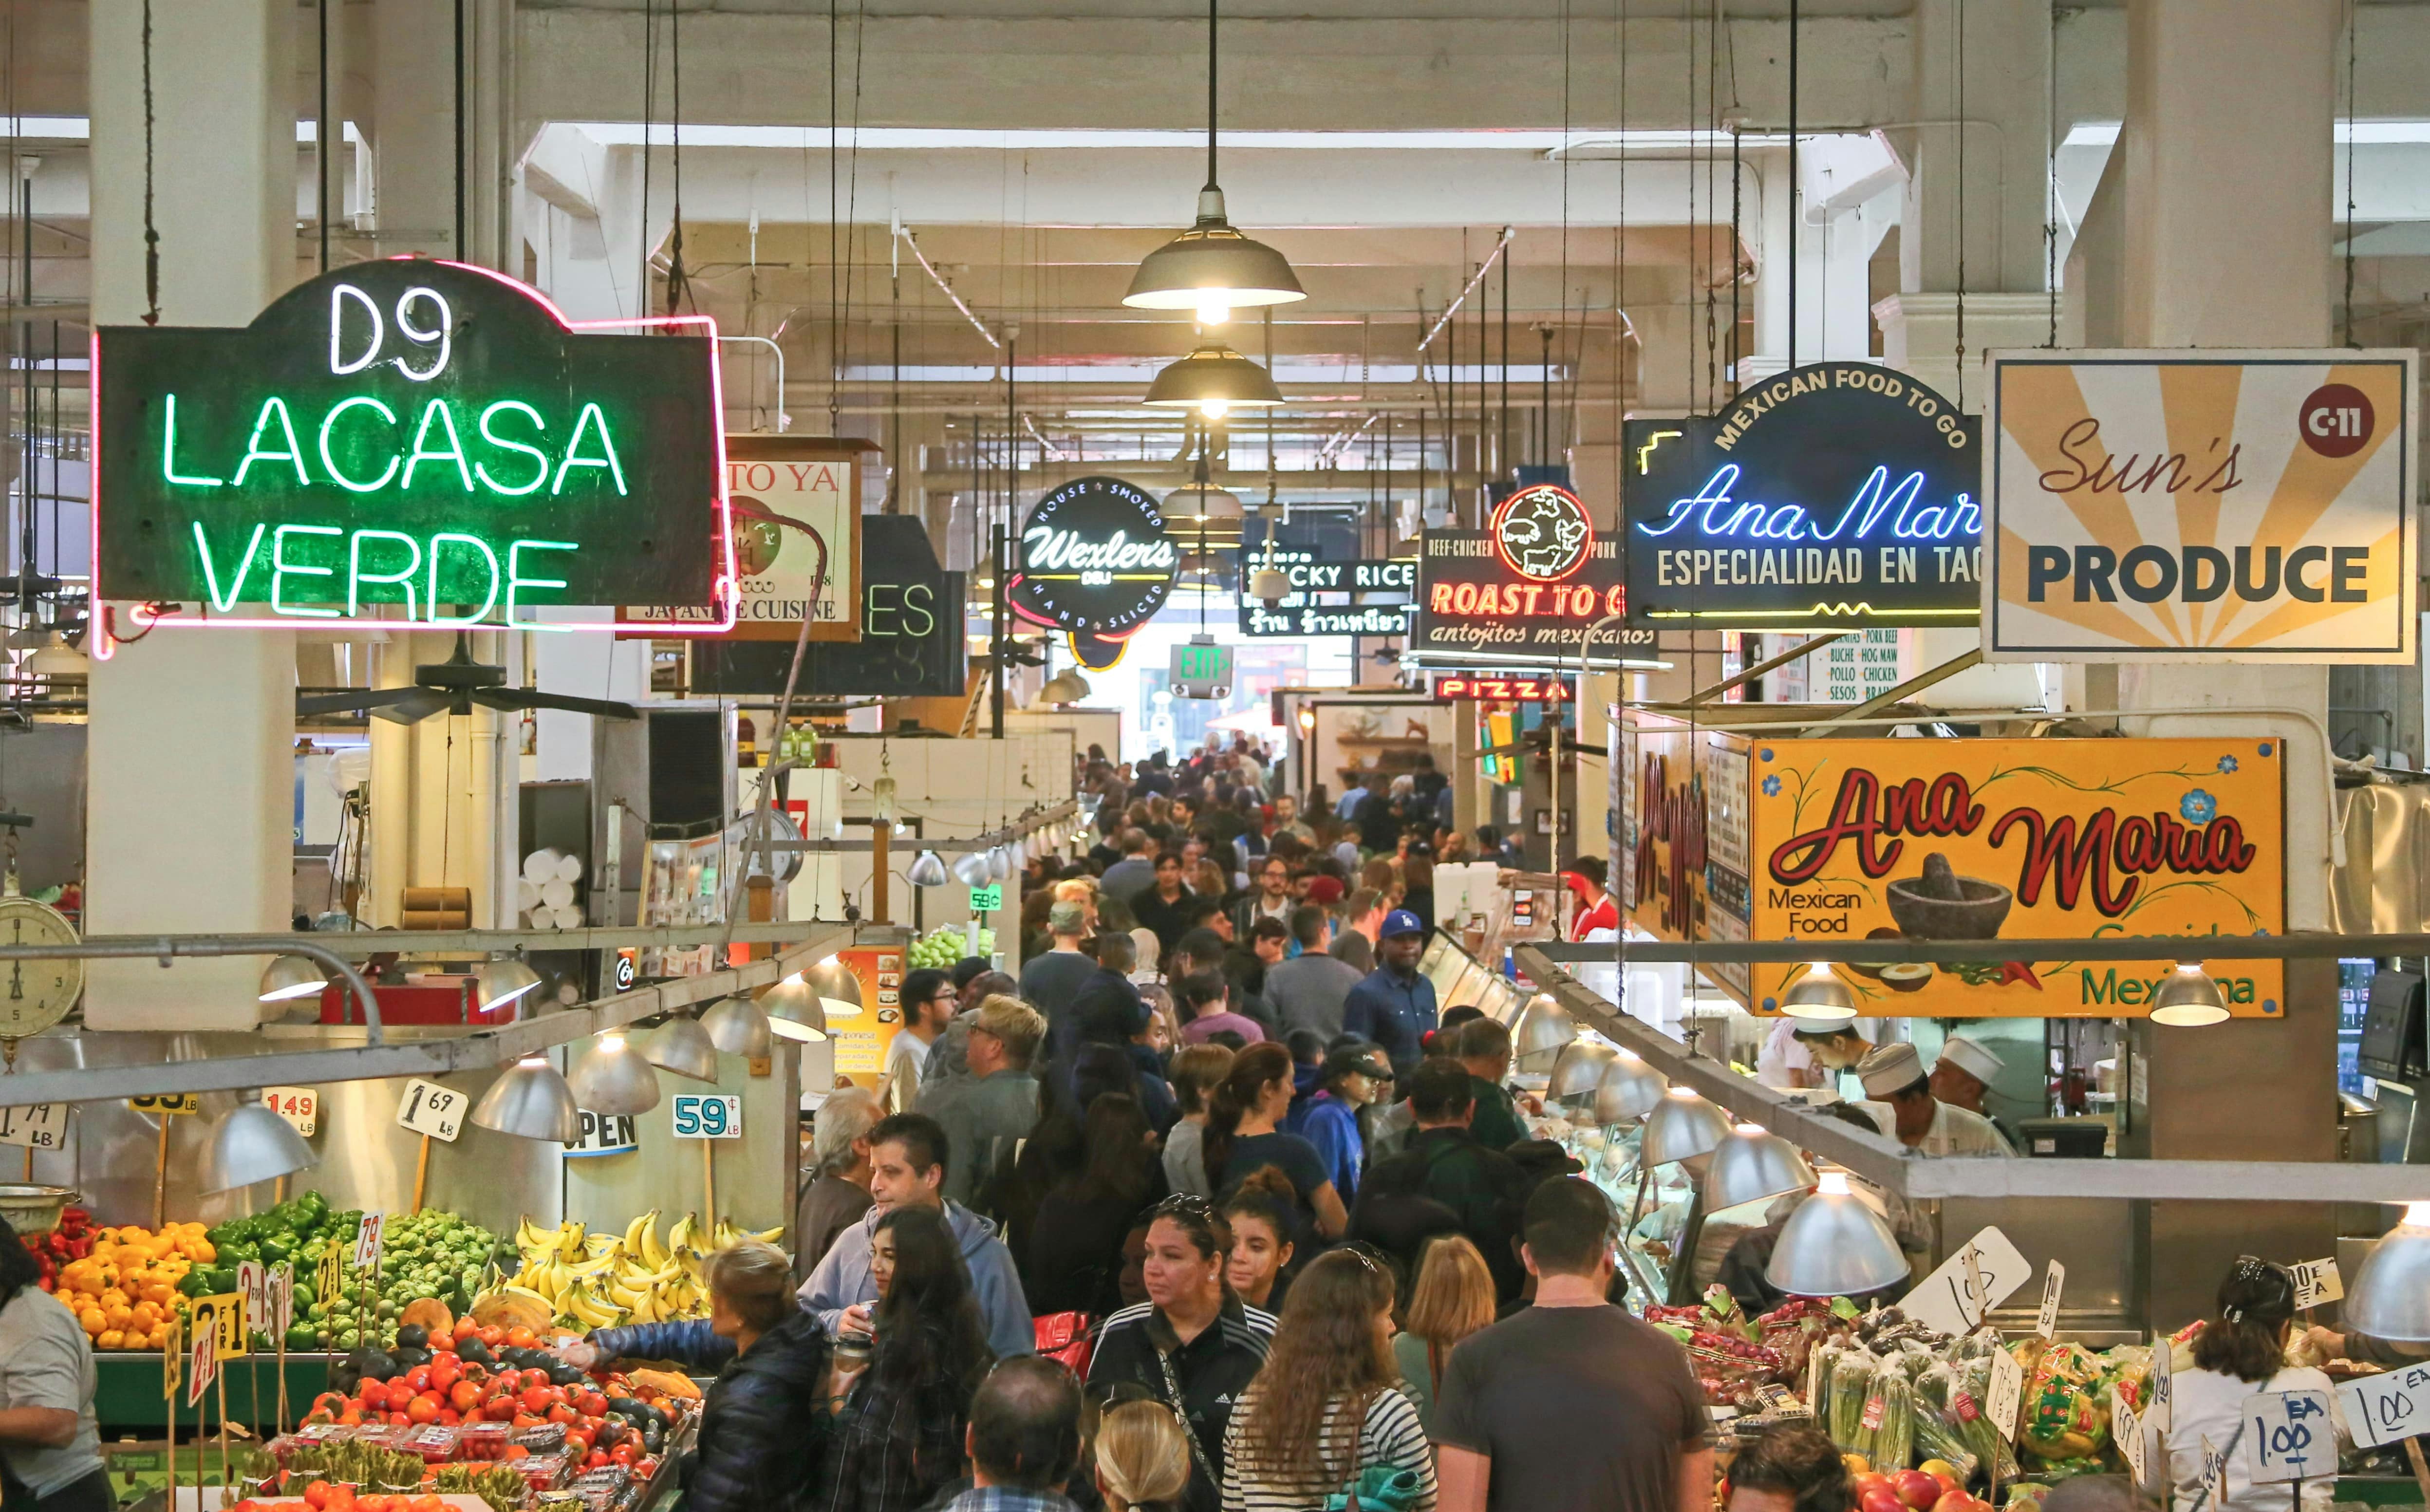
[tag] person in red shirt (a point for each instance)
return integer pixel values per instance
(1596, 910)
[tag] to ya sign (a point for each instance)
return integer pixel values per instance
(1095, 560)
(414, 433)
(1833, 495)
(2210, 507)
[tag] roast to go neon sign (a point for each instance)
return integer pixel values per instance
(425, 442)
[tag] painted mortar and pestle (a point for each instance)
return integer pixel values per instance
(1940, 904)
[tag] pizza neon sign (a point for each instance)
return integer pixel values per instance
(415, 436)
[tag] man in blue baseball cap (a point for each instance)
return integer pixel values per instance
(1394, 1007)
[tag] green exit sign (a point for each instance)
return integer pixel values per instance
(1202, 671)
(415, 435)
(988, 899)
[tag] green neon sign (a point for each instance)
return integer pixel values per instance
(410, 433)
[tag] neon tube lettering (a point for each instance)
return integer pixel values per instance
(444, 335)
(339, 366)
(328, 423)
(539, 459)
(294, 454)
(488, 603)
(281, 569)
(169, 453)
(515, 578)
(1715, 513)
(454, 452)
(575, 458)
(356, 576)
(224, 602)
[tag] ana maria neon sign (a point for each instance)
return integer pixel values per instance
(414, 439)
(1713, 513)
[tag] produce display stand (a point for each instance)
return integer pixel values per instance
(128, 1398)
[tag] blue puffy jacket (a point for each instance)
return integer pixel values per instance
(762, 1433)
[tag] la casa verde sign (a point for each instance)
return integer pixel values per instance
(407, 432)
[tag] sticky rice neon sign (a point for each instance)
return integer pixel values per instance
(1716, 514)
(322, 473)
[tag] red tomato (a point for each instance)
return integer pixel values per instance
(449, 1417)
(535, 1377)
(329, 1402)
(625, 1453)
(644, 1468)
(316, 1495)
(427, 1504)
(350, 1417)
(445, 1370)
(502, 1410)
(342, 1498)
(398, 1418)
(580, 1439)
(491, 1335)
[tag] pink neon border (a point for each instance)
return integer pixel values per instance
(101, 645)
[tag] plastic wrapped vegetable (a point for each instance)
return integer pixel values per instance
(1852, 1382)
(1893, 1405)
(2064, 1416)
(1938, 1431)
(1914, 1360)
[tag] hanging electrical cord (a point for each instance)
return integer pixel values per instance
(678, 281)
(649, 118)
(151, 229)
(1796, 213)
(2049, 185)
(1960, 71)
(1704, 259)
(2354, 25)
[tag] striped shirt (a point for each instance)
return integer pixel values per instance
(1390, 1439)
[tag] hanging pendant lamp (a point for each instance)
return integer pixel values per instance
(1214, 380)
(927, 871)
(1835, 1246)
(530, 1101)
(1629, 1089)
(2189, 998)
(1682, 1127)
(1212, 268)
(1750, 1164)
(682, 1046)
(2390, 1297)
(971, 869)
(1819, 997)
(736, 1026)
(252, 1144)
(612, 1077)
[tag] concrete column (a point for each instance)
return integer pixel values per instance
(2226, 219)
(413, 127)
(191, 795)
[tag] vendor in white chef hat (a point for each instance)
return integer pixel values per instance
(1965, 1070)
(1899, 1097)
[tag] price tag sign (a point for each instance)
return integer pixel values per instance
(2381, 1409)
(172, 1355)
(2008, 1393)
(219, 1319)
(2214, 1465)
(2128, 1429)
(253, 1285)
(369, 1241)
(202, 1363)
(282, 1298)
(2288, 1437)
(167, 1103)
(298, 1106)
(2054, 1282)
(331, 1278)
(432, 1109)
(1969, 1285)
(2317, 1282)
(988, 899)
(707, 1115)
(2161, 1411)
(39, 1127)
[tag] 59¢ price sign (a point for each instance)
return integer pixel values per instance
(710, 1116)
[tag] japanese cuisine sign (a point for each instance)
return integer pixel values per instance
(1961, 840)
(1838, 495)
(415, 433)
(2200, 507)
(797, 525)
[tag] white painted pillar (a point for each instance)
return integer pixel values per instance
(189, 809)
(2230, 108)
(413, 127)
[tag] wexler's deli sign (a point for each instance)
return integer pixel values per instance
(1834, 495)
(1524, 591)
(1094, 562)
(2200, 507)
(414, 433)
(1726, 836)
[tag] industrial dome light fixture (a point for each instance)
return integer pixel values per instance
(1682, 1127)
(927, 871)
(1752, 1163)
(2189, 998)
(1545, 1028)
(1271, 585)
(1819, 996)
(1212, 268)
(971, 869)
(1214, 380)
(1835, 1246)
(612, 1077)
(1629, 1089)
(999, 861)
(290, 976)
(531, 1100)
(1579, 1069)
(1204, 501)
(502, 981)
(1065, 687)
(252, 1144)
(736, 1027)
(682, 1046)
(2389, 1296)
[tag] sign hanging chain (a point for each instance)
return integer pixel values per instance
(2354, 25)
(1959, 69)
(150, 232)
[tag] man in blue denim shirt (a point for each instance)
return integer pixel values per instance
(1394, 1007)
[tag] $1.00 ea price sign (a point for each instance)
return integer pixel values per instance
(2289, 1436)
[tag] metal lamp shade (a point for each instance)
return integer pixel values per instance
(2389, 1296)
(1628, 1089)
(971, 869)
(1819, 995)
(1270, 583)
(1544, 1030)
(1213, 380)
(797, 1007)
(736, 1027)
(1064, 687)
(503, 981)
(999, 862)
(530, 1101)
(2189, 998)
(1212, 264)
(290, 976)
(1682, 1127)
(253, 1144)
(1835, 1246)
(682, 1046)
(1751, 1165)
(926, 871)
(612, 1077)
(1201, 501)
(1579, 1069)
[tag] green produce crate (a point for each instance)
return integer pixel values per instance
(128, 1399)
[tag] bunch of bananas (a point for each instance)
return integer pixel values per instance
(590, 1280)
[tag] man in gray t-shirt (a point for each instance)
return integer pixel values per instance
(1308, 989)
(46, 1363)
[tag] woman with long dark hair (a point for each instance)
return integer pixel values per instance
(900, 1417)
(1073, 1260)
(50, 1443)
(1191, 1345)
(1244, 1134)
(1329, 1410)
(2239, 1352)
(1263, 1212)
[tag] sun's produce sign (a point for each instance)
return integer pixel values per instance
(2200, 507)
(1961, 840)
(410, 433)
